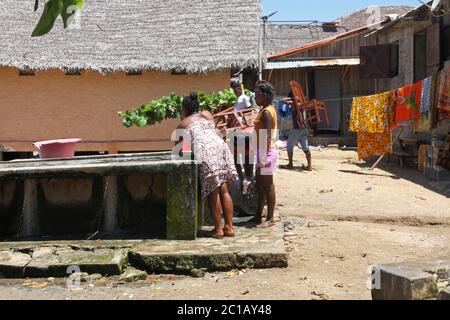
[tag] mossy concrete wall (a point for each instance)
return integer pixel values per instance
(153, 197)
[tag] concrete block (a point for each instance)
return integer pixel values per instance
(444, 294)
(182, 203)
(12, 264)
(409, 280)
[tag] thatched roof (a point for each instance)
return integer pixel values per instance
(116, 35)
(281, 37)
(361, 17)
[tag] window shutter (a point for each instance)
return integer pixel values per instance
(375, 61)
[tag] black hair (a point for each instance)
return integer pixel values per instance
(235, 85)
(234, 82)
(290, 95)
(266, 88)
(190, 103)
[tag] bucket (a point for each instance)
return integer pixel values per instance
(61, 148)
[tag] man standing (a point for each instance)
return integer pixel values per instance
(243, 102)
(298, 135)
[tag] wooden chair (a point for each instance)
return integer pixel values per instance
(312, 108)
(228, 120)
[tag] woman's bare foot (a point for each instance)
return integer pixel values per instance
(228, 231)
(216, 233)
(287, 166)
(266, 224)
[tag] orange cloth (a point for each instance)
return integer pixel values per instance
(374, 144)
(371, 113)
(408, 102)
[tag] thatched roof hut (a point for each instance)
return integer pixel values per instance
(281, 37)
(196, 36)
(361, 18)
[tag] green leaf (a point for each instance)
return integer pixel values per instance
(169, 107)
(127, 122)
(52, 10)
(70, 7)
(141, 122)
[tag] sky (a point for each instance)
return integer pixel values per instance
(322, 10)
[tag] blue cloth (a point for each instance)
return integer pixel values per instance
(283, 110)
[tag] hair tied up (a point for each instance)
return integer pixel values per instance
(193, 96)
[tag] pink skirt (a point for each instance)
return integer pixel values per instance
(271, 163)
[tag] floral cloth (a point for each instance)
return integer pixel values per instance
(371, 113)
(374, 144)
(373, 117)
(444, 95)
(216, 164)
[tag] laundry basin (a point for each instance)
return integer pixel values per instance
(60, 148)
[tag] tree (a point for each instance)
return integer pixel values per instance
(52, 10)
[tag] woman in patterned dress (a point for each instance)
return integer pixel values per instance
(216, 165)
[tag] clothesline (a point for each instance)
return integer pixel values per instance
(335, 99)
(374, 116)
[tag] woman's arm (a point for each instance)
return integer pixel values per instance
(267, 124)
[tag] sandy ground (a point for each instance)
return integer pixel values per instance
(339, 220)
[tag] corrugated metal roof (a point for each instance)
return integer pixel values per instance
(312, 63)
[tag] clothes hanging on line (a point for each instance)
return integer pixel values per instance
(371, 117)
(371, 113)
(374, 144)
(443, 104)
(425, 102)
(407, 102)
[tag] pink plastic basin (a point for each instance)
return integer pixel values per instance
(61, 148)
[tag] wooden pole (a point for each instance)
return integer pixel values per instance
(382, 157)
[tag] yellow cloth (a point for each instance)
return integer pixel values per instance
(259, 124)
(374, 144)
(371, 113)
(422, 124)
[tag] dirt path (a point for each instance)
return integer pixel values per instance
(342, 188)
(386, 216)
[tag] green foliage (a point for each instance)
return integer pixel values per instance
(53, 9)
(169, 107)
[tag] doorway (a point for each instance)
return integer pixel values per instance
(327, 85)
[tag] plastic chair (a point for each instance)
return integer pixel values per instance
(312, 108)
